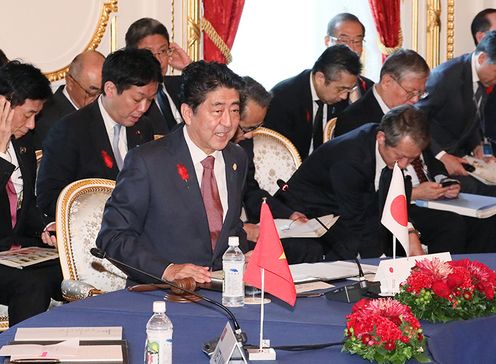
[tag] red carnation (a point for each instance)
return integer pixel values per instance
(390, 345)
(107, 159)
(405, 339)
(454, 280)
(467, 295)
(420, 337)
(441, 289)
(183, 172)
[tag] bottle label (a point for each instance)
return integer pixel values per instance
(233, 279)
(158, 351)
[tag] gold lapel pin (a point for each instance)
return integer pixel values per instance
(235, 166)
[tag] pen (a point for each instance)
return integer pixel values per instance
(41, 360)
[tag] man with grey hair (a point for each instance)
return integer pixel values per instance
(347, 29)
(303, 104)
(83, 84)
(350, 175)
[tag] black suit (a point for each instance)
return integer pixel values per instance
(441, 230)
(338, 178)
(291, 111)
(156, 215)
(54, 109)
(297, 250)
(364, 110)
(162, 120)
(79, 147)
(27, 292)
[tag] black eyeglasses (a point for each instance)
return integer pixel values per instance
(89, 93)
(249, 129)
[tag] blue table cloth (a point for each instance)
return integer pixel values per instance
(312, 320)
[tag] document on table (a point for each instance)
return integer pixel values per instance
(327, 271)
(66, 333)
(311, 229)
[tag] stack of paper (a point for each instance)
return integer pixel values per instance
(311, 229)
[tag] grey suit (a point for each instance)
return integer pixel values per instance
(156, 217)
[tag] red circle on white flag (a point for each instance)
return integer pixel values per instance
(398, 210)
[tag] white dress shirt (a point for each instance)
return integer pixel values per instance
(109, 127)
(197, 155)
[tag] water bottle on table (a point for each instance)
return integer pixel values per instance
(158, 346)
(233, 264)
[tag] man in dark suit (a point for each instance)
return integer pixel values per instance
(83, 86)
(178, 199)
(441, 230)
(297, 250)
(482, 23)
(455, 104)
(27, 291)
(346, 28)
(93, 141)
(349, 176)
(402, 81)
(152, 35)
(303, 104)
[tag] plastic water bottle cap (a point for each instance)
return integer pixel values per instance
(158, 306)
(233, 241)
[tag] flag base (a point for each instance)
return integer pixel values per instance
(261, 354)
(256, 301)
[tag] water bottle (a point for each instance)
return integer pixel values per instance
(158, 347)
(233, 263)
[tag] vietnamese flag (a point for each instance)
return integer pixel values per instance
(269, 255)
(395, 213)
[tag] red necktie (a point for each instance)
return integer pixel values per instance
(419, 170)
(211, 199)
(12, 195)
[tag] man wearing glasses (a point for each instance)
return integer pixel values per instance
(83, 84)
(257, 100)
(402, 81)
(148, 33)
(303, 104)
(346, 28)
(93, 141)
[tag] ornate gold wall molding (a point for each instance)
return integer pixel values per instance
(415, 21)
(450, 29)
(433, 32)
(107, 9)
(193, 31)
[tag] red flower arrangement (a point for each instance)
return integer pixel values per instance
(444, 291)
(107, 159)
(183, 172)
(385, 331)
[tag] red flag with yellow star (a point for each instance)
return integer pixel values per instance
(269, 254)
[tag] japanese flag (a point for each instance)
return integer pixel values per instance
(395, 213)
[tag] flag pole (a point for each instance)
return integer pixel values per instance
(262, 309)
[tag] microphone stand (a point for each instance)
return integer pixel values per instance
(240, 335)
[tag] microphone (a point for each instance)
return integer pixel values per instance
(342, 293)
(240, 335)
(284, 187)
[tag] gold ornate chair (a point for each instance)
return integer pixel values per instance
(4, 318)
(79, 215)
(329, 129)
(275, 157)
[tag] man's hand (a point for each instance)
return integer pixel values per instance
(415, 246)
(298, 216)
(453, 191)
(6, 115)
(248, 256)
(179, 59)
(454, 165)
(179, 271)
(478, 153)
(429, 191)
(252, 231)
(48, 239)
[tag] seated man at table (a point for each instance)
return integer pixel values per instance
(350, 175)
(403, 78)
(178, 199)
(297, 250)
(26, 291)
(93, 141)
